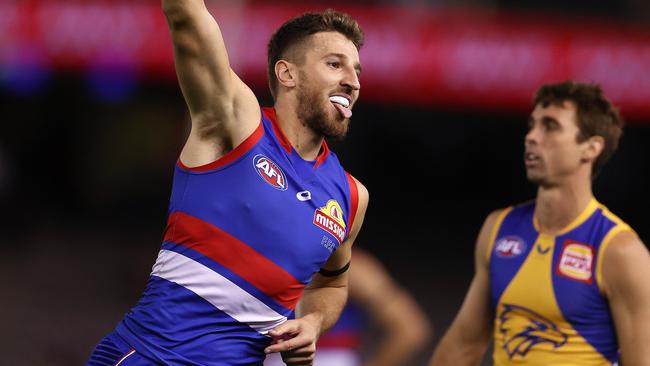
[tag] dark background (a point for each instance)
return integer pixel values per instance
(85, 182)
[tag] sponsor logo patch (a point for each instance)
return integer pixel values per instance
(576, 261)
(330, 219)
(303, 196)
(270, 172)
(510, 246)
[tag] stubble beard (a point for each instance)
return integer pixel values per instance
(314, 113)
(534, 179)
(540, 180)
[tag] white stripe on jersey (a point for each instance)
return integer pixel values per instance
(125, 357)
(217, 290)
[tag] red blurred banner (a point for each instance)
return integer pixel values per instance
(412, 56)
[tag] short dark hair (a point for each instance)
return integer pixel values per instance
(596, 116)
(299, 28)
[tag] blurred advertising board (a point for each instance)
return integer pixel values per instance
(412, 56)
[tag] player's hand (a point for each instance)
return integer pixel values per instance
(296, 340)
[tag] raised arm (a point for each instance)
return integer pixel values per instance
(223, 109)
(467, 337)
(322, 301)
(405, 328)
(626, 277)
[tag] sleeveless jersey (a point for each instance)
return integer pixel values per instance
(244, 236)
(546, 290)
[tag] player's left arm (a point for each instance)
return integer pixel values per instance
(626, 280)
(322, 301)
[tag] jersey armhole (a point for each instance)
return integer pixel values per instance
(354, 201)
(230, 156)
(495, 230)
(619, 228)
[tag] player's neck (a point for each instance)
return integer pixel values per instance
(303, 139)
(557, 206)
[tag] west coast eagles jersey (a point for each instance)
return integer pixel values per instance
(546, 290)
(244, 236)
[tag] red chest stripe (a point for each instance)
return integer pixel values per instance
(236, 256)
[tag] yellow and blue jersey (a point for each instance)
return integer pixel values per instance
(546, 291)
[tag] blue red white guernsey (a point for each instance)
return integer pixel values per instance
(547, 290)
(244, 236)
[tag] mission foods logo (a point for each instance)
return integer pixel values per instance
(576, 261)
(270, 172)
(510, 246)
(330, 219)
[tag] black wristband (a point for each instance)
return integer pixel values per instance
(334, 273)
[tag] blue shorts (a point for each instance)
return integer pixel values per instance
(114, 351)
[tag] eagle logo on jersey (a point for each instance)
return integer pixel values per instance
(523, 329)
(510, 246)
(330, 219)
(270, 172)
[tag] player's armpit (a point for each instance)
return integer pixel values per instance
(626, 277)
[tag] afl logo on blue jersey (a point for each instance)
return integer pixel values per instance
(270, 172)
(510, 246)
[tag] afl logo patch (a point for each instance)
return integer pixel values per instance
(510, 247)
(270, 172)
(576, 261)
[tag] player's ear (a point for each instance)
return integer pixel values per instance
(285, 72)
(593, 147)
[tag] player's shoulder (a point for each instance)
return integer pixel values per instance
(489, 230)
(496, 216)
(364, 194)
(621, 245)
(611, 216)
(620, 234)
(625, 245)
(624, 261)
(522, 210)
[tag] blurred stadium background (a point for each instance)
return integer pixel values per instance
(92, 121)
